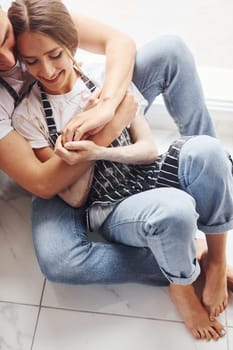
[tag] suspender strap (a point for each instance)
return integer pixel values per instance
(48, 112)
(10, 90)
(17, 97)
(89, 84)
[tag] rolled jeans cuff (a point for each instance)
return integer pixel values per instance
(215, 229)
(185, 280)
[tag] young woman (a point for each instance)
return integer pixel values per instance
(16, 156)
(47, 50)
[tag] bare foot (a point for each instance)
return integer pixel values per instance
(217, 279)
(230, 277)
(194, 314)
(202, 250)
(215, 295)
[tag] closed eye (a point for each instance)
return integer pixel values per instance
(56, 56)
(30, 62)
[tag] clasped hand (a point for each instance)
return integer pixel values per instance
(83, 125)
(74, 149)
(78, 151)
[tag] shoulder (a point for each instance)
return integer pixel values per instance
(6, 111)
(29, 111)
(30, 103)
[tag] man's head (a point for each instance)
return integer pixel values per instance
(7, 42)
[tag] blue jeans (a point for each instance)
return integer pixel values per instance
(166, 66)
(150, 237)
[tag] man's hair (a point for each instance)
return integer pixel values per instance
(47, 17)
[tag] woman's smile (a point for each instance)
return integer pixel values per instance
(47, 61)
(52, 80)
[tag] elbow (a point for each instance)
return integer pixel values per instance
(148, 150)
(131, 45)
(44, 191)
(47, 195)
(152, 155)
(125, 41)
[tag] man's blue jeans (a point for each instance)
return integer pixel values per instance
(150, 235)
(166, 66)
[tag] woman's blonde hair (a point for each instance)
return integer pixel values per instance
(47, 17)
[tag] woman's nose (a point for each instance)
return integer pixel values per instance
(48, 70)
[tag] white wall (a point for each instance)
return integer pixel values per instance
(206, 25)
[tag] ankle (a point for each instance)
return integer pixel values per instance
(216, 263)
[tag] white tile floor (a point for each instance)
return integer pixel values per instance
(38, 315)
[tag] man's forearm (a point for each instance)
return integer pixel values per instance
(119, 49)
(120, 59)
(18, 160)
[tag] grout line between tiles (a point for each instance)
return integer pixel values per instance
(18, 303)
(38, 315)
(109, 314)
(227, 341)
(227, 335)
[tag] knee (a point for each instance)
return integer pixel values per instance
(207, 152)
(63, 267)
(175, 50)
(177, 216)
(51, 270)
(183, 216)
(53, 266)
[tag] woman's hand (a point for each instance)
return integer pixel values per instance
(78, 151)
(96, 115)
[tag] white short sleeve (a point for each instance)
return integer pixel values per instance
(28, 120)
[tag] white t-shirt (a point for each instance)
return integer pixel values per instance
(29, 120)
(14, 78)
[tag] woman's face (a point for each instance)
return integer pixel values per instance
(47, 61)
